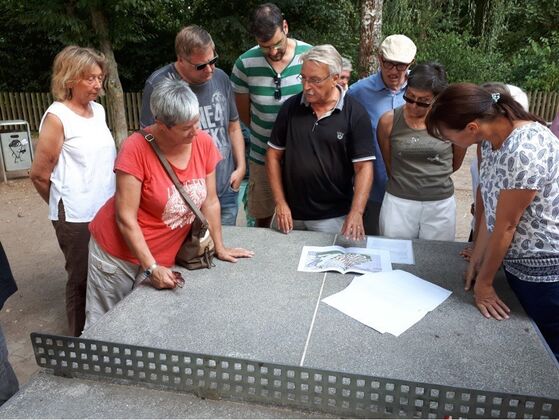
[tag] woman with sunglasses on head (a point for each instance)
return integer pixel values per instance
(519, 181)
(73, 166)
(419, 200)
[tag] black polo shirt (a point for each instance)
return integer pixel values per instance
(317, 166)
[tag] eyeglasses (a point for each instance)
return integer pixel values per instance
(277, 45)
(313, 80)
(202, 66)
(420, 104)
(90, 80)
(389, 65)
(277, 92)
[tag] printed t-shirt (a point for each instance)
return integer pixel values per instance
(163, 216)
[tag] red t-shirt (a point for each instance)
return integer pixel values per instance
(163, 216)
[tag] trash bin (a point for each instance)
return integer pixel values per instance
(15, 146)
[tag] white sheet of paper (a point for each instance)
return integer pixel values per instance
(401, 250)
(388, 302)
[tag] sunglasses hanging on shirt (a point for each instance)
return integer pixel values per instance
(277, 91)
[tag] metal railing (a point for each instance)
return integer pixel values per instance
(339, 393)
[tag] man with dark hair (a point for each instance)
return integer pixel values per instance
(8, 381)
(380, 93)
(263, 78)
(196, 60)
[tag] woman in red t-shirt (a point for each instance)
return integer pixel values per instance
(138, 232)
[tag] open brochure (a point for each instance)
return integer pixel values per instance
(344, 260)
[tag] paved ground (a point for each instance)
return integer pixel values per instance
(38, 265)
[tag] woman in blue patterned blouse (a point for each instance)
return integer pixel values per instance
(519, 179)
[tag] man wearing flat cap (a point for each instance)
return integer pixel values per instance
(379, 93)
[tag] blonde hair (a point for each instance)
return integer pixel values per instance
(70, 65)
(191, 39)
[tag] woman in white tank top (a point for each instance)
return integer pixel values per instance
(73, 166)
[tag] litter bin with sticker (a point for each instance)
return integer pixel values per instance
(16, 148)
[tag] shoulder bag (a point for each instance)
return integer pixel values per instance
(197, 250)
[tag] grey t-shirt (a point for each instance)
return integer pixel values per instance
(217, 110)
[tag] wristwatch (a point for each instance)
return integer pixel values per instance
(150, 269)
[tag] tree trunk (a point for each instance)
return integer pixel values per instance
(113, 87)
(371, 36)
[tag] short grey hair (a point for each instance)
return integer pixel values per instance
(324, 54)
(346, 65)
(172, 102)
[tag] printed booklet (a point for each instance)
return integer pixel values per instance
(344, 260)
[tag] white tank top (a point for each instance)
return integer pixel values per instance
(83, 177)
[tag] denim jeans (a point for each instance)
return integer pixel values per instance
(541, 303)
(229, 207)
(8, 381)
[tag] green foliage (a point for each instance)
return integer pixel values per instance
(483, 40)
(536, 66)
(463, 60)
(515, 41)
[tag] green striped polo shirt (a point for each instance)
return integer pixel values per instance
(252, 74)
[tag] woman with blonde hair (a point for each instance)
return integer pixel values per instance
(73, 166)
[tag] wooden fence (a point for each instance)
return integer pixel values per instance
(31, 107)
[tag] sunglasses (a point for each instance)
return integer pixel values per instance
(420, 104)
(277, 92)
(202, 66)
(389, 65)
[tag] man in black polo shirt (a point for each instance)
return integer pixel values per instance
(319, 162)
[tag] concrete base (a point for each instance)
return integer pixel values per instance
(49, 396)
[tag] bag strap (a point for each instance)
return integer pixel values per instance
(150, 138)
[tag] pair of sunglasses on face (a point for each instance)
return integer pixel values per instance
(420, 104)
(202, 66)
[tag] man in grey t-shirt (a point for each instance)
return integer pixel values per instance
(196, 59)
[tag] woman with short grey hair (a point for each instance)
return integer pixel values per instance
(136, 235)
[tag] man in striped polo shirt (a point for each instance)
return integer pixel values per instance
(263, 78)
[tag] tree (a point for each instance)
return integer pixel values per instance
(371, 35)
(115, 94)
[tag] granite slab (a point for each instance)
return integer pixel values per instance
(49, 396)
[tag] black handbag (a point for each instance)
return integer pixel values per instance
(198, 249)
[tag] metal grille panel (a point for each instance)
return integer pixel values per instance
(218, 377)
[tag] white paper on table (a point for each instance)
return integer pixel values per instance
(388, 302)
(401, 250)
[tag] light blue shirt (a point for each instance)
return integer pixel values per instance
(377, 99)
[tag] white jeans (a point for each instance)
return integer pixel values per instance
(333, 225)
(109, 280)
(410, 219)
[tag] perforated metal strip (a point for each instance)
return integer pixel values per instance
(218, 377)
